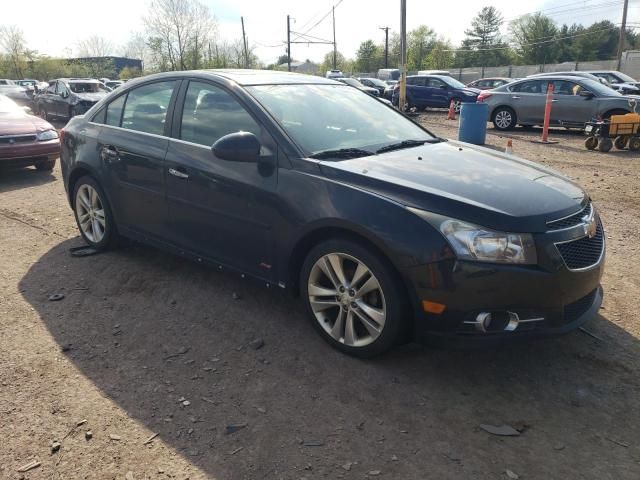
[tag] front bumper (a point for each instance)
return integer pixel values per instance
(545, 299)
(24, 154)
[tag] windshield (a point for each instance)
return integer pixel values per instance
(452, 82)
(352, 81)
(598, 88)
(329, 117)
(7, 105)
(88, 87)
(377, 82)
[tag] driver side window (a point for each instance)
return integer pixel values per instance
(61, 88)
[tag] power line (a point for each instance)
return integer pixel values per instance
(559, 9)
(322, 19)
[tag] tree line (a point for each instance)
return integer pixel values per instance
(182, 35)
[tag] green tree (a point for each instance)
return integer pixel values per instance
(342, 63)
(534, 36)
(420, 42)
(483, 45)
(368, 57)
(598, 42)
(441, 56)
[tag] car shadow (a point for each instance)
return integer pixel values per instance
(18, 178)
(151, 330)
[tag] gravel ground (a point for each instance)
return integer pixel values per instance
(146, 343)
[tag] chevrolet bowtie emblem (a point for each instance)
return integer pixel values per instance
(11, 141)
(589, 225)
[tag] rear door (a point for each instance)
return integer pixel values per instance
(569, 107)
(132, 146)
(220, 209)
(528, 100)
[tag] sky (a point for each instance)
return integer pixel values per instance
(57, 31)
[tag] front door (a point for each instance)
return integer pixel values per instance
(220, 209)
(569, 107)
(132, 146)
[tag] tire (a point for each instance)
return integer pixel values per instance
(620, 142)
(104, 235)
(46, 165)
(605, 144)
(504, 118)
(457, 105)
(378, 319)
(591, 143)
(634, 144)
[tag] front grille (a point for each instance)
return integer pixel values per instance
(584, 252)
(570, 221)
(575, 310)
(12, 139)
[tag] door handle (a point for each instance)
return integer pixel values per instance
(554, 101)
(515, 97)
(110, 154)
(178, 173)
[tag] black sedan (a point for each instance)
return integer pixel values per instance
(356, 84)
(386, 231)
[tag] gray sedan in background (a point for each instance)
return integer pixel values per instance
(575, 101)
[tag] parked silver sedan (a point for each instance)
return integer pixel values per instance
(575, 101)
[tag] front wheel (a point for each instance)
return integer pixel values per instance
(504, 118)
(93, 214)
(634, 144)
(353, 297)
(457, 105)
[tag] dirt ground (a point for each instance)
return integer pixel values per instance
(146, 343)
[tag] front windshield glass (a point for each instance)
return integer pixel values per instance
(377, 81)
(598, 88)
(87, 87)
(330, 117)
(452, 82)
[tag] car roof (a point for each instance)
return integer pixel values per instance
(430, 75)
(247, 77)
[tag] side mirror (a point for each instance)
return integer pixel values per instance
(237, 147)
(586, 94)
(444, 87)
(64, 94)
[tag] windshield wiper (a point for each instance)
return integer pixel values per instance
(342, 153)
(405, 144)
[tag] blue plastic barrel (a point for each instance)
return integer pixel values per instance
(473, 123)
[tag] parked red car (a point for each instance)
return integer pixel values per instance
(26, 139)
(490, 83)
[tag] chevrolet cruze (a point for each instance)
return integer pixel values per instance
(387, 232)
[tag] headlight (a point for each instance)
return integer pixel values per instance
(47, 135)
(480, 244)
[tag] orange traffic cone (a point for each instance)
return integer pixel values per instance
(509, 149)
(452, 112)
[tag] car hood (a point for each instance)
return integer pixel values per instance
(91, 97)
(466, 182)
(19, 123)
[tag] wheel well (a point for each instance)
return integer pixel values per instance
(615, 111)
(73, 178)
(310, 240)
(504, 107)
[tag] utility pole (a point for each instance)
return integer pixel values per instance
(335, 52)
(403, 55)
(288, 44)
(244, 43)
(386, 46)
(623, 32)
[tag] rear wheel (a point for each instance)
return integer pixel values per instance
(504, 118)
(634, 144)
(620, 142)
(93, 214)
(605, 144)
(353, 297)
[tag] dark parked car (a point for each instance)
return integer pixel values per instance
(619, 81)
(68, 97)
(435, 91)
(352, 82)
(388, 91)
(373, 83)
(576, 100)
(489, 83)
(386, 231)
(113, 84)
(25, 139)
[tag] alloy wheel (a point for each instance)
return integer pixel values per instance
(347, 299)
(456, 106)
(503, 119)
(90, 213)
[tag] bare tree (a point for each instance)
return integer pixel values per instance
(94, 46)
(13, 44)
(179, 31)
(137, 48)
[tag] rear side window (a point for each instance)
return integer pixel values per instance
(146, 107)
(210, 113)
(114, 111)
(532, 86)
